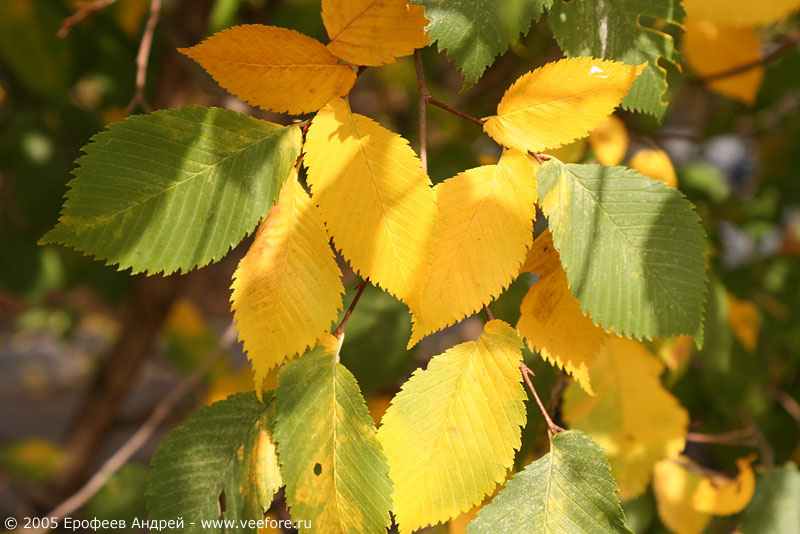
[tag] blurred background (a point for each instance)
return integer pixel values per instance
(87, 352)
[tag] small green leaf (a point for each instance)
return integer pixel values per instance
(774, 508)
(569, 489)
(633, 248)
(175, 189)
(612, 29)
(474, 32)
(337, 477)
(223, 453)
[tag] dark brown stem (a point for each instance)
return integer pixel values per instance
(734, 438)
(143, 58)
(422, 92)
(79, 15)
(430, 100)
(526, 374)
(783, 48)
(488, 312)
(340, 329)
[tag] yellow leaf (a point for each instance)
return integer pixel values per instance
(745, 321)
(712, 48)
(559, 102)
(483, 227)
(374, 32)
(725, 496)
(551, 319)
(674, 487)
(374, 196)
(740, 12)
(451, 431)
(675, 351)
(571, 153)
(655, 164)
(632, 416)
(287, 289)
(609, 141)
(273, 68)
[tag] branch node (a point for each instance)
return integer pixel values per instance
(526, 374)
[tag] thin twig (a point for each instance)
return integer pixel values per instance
(551, 426)
(788, 403)
(84, 11)
(142, 435)
(430, 100)
(488, 312)
(783, 48)
(340, 329)
(734, 438)
(143, 58)
(422, 92)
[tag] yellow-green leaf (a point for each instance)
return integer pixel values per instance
(714, 48)
(551, 320)
(559, 102)
(373, 32)
(483, 227)
(451, 431)
(273, 68)
(287, 289)
(632, 416)
(374, 196)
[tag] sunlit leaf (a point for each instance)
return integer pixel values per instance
(655, 164)
(740, 12)
(609, 141)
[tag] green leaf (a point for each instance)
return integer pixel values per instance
(774, 508)
(633, 248)
(569, 489)
(612, 29)
(225, 448)
(175, 189)
(474, 32)
(337, 477)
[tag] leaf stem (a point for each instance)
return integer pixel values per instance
(488, 312)
(340, 329)
(80, 14)
(143, 58)
(430, 100)
(526, 374)
(422, 92)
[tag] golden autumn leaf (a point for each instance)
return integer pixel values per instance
(374, 32)
(551, 320)
(632, 416)
(740, 12)
(571, 153)
(273, 68)
(287, 289)
(726, 496)
(559, 102)
(451, 432)
(674, 487)
(483, 227)
(713, 48)
(655, 164)
(609, 141)
(675, 351)
(745, 321)
(377, 202)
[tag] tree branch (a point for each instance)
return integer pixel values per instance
(782, 48)
(142, 435)
(488, 312)
(526, 374)
(743, 437)
(430, 100)
(340, 329)
(84, 11)
(143, 58)
(422, 92)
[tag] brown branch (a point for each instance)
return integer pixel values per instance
(340, 329)
(526, 374)
(84, 11)
(143, 58)
(488, 312)
(430, 100)
(423, 95)
(744, 437)
(142, 435)
(782, 49)
(788, 403)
